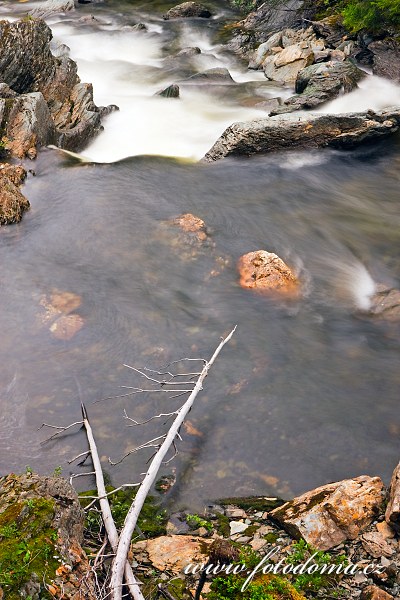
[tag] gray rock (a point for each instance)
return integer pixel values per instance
(311, 131)
(172, 91)
(188, 9)
(51, 7)
(189, 52)
(386, 58)
(6, 91)
(264, 49)
(27, 65)
(217, 75)
(321, 82)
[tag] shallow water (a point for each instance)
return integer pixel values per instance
(306, 393)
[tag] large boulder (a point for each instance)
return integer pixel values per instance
(310, 131)
(188, 9)
(284, 66)
(41, 525)
(12, 202)
(320, 83)
(266, 272)
(29, 69)
(392, 514)
(333, 513)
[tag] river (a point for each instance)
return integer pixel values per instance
(306, 392)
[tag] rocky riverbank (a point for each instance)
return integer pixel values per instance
(350, 527)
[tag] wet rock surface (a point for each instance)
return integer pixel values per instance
(187, 10)
(385, 304)
(50, 105)
(12, 202)
(311, 131)
(265, 271)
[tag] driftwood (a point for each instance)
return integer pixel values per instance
(172, 384)
(149, 478)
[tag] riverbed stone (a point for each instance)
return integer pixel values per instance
(392, 514)
(334, 513)
(172, 91)
(266, 272)
(376, 545)
(12, 202)
(265, 135)
(188, 9)
(386, 58)
(385, 303)
(216, 75)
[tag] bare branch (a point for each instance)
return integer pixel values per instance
(148, 444)
(148, 420)
(85, 454)
(112, 533)
(60, 430)
(136, 506)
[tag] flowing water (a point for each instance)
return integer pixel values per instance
(306, 392)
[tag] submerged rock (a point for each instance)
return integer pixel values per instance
(321, 82)
(192, 225)
(58, 314)
(333, 513)
(385, 304)
(172, 91)
(188, 9)
(310, 131)
(46, 521)
(12, 202)
(392, 514)
(216, 75)
(265, 271)
(28, 67)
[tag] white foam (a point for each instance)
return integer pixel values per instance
(373, 93)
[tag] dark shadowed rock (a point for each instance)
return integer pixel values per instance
(6, 91)
(311, 131)
(333, 513)
(172, 91)
(12, 202)
(188, 9)
(29, 68)
(194, 51)
(320, 83)
(386, 58)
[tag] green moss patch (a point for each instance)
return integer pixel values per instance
(27, 546)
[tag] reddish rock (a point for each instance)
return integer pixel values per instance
(392, 515)
(12, 202)
(191, 224)
(333, 513)
(67, 326)
(372, 592)
(265, 271)
(375, 544)
(174, 552)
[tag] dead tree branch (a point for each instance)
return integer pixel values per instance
(120, 560)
